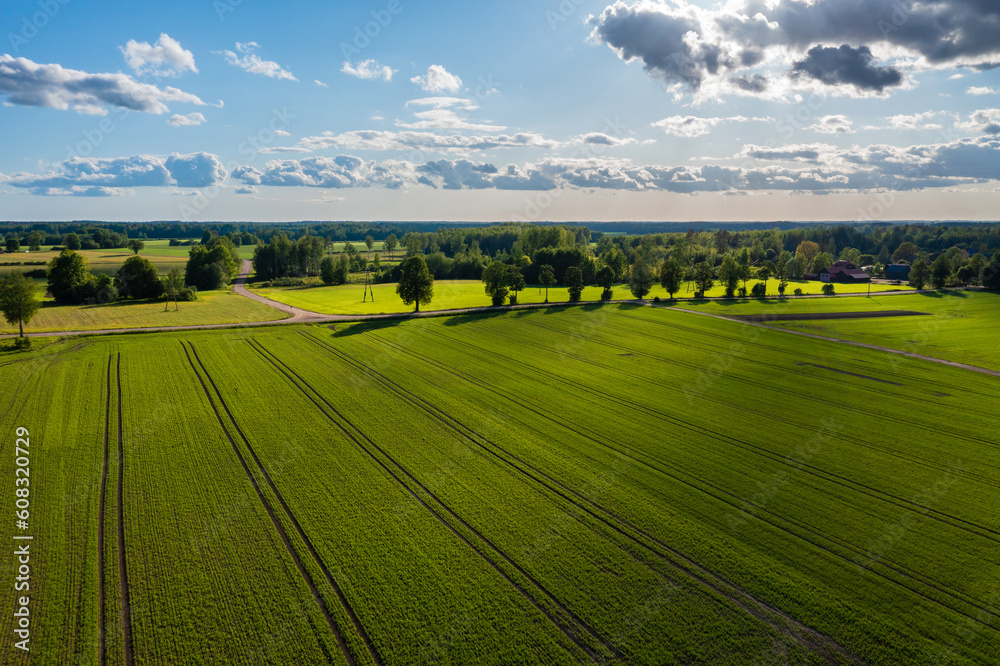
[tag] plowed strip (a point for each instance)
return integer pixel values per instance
(122, 568)
(334, 627)
(346, 426)
(100, 521)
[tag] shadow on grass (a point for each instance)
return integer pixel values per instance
(944, 293)
(472, 317)
(347, 329)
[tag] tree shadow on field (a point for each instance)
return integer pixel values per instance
(944, 293)
(348, 329)
(458, 320)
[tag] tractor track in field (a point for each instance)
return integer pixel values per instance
(769, 414)
(749, 382)
(832, 477)
(714, 334)
(819, 473)
(936, 585)
(122, 564)
(100, 520)
(444, 418)
(279, 528)
(754, 607)
(346, 426)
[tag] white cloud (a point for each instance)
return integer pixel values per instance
(369, 70)
(438, 80)
(984, 120)
(165, 58)
(837, 124)
(384, 140)
(917, 121)
(88, 174)
(320, 83)
(446, 113)
(981, 90)
(27, 83)
(247, 190)
(691, 126)
(253, 63)
(281, 132)
(601, 139)
(189, 120)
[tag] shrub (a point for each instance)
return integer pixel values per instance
(699, 294)
(742, 292)
(798, 292)
(287, 282)
(607, 295)
(759, 290)
(828, 289)
(37, 273)
(265, 285)
(188, 294)
(22, 343)
(656, 299)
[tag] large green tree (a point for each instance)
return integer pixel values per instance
(137, 278)
(416, 284)
(495, 282)
(671, 276)
(72, 241)
(18, 302)
(515, 281)
(729, 275)
(574, 282)
(642, 279)
(213, 265)
(920, 273)
(136, 245)
(547, 277)
(940, 272)
(704, 278)
(173, 283)
(606, 280)
(69, 277)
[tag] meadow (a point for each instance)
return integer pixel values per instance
(607, 484)
(457, 294)
(960, 326)
(212, 307)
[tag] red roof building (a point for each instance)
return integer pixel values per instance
(842, 271)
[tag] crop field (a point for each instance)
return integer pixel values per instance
(212, 307)
(960, 326)
(609, 484)
(457, 294)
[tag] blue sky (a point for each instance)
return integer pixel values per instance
(571, 110)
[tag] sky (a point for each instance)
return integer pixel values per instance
(551, 110)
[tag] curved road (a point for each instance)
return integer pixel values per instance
(300, 316)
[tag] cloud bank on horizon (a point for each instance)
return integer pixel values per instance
(832, 97)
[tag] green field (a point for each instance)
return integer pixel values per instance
(961, 326)
(212, 307)
(457, 294)
(596, 485)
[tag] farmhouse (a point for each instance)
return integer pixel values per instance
(842, 271)
(900, 271)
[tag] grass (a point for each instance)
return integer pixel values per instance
(615, 483)
(962, 325)
(212, 307)
(457, 294)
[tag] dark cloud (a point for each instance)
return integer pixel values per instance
(32, 84)
(682, 44)
(847, 65)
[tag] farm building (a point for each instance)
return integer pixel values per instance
(842, 271)
(899, 271)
